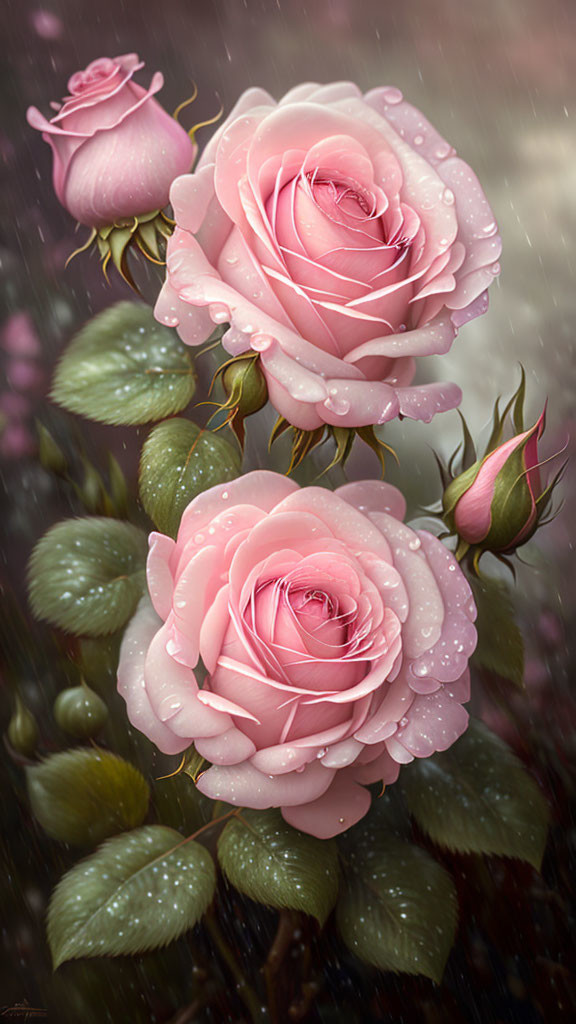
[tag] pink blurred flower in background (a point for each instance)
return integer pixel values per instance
(335, 641)
(116, 151)
(26, 379)
(341, 238)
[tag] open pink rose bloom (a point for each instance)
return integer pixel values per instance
(340, 237)
(335, 641)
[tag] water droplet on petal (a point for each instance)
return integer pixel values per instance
(442, 151)
(219, 313)
(448, 197)
(418, 140)
(392, 95)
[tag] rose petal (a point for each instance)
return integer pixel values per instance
(340, 807)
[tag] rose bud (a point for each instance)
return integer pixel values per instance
(246, 391)
(116, 153)
(498, 503)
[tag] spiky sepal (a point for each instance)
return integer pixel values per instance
(305, 441)
(145, 234)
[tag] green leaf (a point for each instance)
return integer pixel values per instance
(272, 863)
(125, 368)
(477, 797)
(179, 460)
(398, 908)
(87, 575)
(139, 891)
(83, 796)
(500, 646)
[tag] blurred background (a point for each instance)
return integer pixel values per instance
(497, 79)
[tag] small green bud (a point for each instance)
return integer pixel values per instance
(244, 382)
(49, 452)
(80, 712)
(22, 731)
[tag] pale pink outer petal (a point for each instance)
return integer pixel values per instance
(173, 694)
(131, 684)
(448, 658)
(340, 807)
(424, 623)
(231, 747)
(424, 401)
(435, 722)
(261, 488)
(245, 786)
(374, 496)
(250, 99)
(159, 574)
(382, 768)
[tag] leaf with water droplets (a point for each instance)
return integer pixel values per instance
(398, 907)
(87, 575)
(477, 797)
(139, 891)
(273, 863)
(125, 368)
(83, 796)
(179, 461)
(500, 645)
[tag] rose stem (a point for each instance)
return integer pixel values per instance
(247, 994)
(278, 950)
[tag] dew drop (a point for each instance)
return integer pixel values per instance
(392, 95)
(418, 140)
(199, 538)
(448, 197)
(442, 151)
(219, 313)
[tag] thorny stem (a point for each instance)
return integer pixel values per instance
(247, 994)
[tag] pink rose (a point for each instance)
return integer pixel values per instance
(116, 151)
(334, 638)
(340, 237)
(499, 501)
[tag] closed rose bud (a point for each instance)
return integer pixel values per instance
(116, 151)
(244, 382)
(498, 502)
(80, 712)
(22, 731)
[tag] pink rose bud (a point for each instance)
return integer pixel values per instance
(116, 151)
(499, 501)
